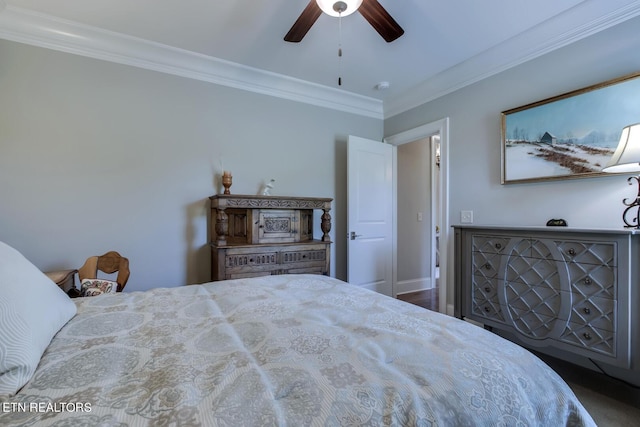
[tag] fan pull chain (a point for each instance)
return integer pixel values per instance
(339, 48)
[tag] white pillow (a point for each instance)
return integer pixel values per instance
(32, 310)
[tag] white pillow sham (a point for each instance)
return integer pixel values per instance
(32, 310)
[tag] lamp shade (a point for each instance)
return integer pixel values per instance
(332, 7)
(626, 158)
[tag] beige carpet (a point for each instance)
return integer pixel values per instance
(610, 402)
(606, 411)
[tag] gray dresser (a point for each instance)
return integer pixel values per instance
(571, 293)
(265, 235)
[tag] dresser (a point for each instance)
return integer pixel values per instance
(571, 293)
(265, 235)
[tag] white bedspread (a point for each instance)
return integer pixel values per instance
(283, 350)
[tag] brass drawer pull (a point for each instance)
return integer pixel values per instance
(487, 266)
(586, 310)
(487, 289)
(587, 335)
(571, 251)
(498, 245)
(486, 309)
(587, 281)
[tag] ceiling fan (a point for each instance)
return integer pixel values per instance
(371, 10)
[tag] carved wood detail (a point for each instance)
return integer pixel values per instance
(266, 235)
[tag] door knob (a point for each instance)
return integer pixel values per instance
(354, 235)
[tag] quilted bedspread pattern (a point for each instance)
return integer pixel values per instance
(292, 350)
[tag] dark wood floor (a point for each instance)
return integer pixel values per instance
(427, 298)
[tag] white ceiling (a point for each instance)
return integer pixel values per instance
(447, 43)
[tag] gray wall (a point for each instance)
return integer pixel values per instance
(96, 156)
(474, 147)
(414, 236)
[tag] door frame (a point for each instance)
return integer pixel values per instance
(434, 150)
(438, 127)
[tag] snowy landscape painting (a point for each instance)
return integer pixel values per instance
(568, 136)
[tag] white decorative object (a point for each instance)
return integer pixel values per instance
(266, 189)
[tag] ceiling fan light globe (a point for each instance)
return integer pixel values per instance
(333, 7)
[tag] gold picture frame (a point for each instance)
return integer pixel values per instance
(568, 136)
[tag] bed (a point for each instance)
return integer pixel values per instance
(294, 350)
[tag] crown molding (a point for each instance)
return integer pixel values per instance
(513, 52)
(25, 26)
(29, 27)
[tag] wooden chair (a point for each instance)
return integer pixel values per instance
(109, 263)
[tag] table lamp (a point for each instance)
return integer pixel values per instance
(626, 158)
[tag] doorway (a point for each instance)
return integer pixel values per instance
(438, 216)
(417, 219)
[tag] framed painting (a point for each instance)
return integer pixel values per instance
(568, 136)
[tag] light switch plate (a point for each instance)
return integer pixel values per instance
(466, 217)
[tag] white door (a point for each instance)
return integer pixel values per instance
(370, 214)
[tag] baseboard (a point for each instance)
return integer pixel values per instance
(473, 322)
(413, 285)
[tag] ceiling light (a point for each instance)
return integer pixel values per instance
(340, 7)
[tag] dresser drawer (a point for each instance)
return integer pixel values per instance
(489, 244)
(240, 261)
(592, 279)
(233, 260)
(597, 312)
(304, 256)
(485, 303)
(595, 253)
(485, 264)
(593, 339)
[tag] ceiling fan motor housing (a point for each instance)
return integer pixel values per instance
(340, 7)
(371, 10)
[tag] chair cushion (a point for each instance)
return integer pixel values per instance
(94, 287)
(32, 310)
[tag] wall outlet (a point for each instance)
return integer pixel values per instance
(466, 217)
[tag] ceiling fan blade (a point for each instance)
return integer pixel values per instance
(307, 18)
(380, 20)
